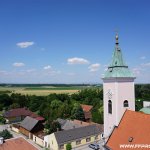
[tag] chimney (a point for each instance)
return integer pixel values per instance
(1, 140)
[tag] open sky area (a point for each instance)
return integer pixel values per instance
(71, 41)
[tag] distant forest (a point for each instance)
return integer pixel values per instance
(56, 106)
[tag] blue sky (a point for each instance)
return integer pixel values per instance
(71, 41)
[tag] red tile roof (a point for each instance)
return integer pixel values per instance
(17, 144)
(134, 125)
(86, 108)
(21, 112)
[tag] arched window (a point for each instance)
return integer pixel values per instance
(125, 103)
(110, 107)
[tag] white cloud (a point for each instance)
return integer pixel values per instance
(24, 44)
(47, 67)
(94, 67)
(30, 70)
(18, 64)
(136, 71)
(77, 60)
(142, 57)
(71, 74)
(146, 64)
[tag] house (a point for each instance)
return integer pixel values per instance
(77, 137)
(18, 114)
(67, 124)
(87, 112)
(146, 108)
(38, 138)
(133, 129)
(16, 144)
(30, 126)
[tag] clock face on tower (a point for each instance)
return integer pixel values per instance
(109, 94)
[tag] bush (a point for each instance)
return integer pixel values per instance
(2, 120)
(6, 134)
(68, 146)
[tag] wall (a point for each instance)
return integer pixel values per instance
(122, 89)
(15, 129)
(146, 104)
(24, 131)
(38, 140)
(51, 142)
(14, 119)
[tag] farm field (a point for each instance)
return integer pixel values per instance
(42, 90)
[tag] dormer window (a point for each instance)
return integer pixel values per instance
(125, 103)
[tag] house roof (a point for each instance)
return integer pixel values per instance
(67, 124)
(82, 123)
(133, 125)
(118, 68)
(17, 144)
(21, 112)
(18, 112)
(145, 110)
(66, 136)
(86, 108)
(29, 123)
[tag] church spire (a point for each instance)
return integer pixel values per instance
(118, 68)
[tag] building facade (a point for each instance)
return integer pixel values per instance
(118, 91)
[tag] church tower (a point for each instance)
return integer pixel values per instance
(118, 90)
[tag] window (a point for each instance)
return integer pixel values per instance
(61, 146)
(125, 103)
(45, 144)
(78, 142)
(110, 107)
(88, 139)
(35, 139)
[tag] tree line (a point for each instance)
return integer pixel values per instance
(67, 106)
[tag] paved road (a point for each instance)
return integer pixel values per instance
(3, 127)
(86, 147)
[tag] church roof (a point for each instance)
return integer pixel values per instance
(118, 68)
(133, 129)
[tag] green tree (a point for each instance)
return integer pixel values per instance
(55, 104)
(77, 112)
(6, 134)
(52, 126)
(69, 146)
(2, 120)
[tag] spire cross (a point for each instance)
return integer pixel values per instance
(116, 37)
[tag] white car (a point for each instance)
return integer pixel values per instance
(94, 146)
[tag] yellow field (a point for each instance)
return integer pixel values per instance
(24, 91)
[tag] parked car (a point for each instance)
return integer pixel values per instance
(94, 146)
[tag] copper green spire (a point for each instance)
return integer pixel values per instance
(118, 68)
(117, 59)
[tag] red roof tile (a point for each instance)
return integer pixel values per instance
(134, 125)
(21, 112)
(86, 108)
(17, 144)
